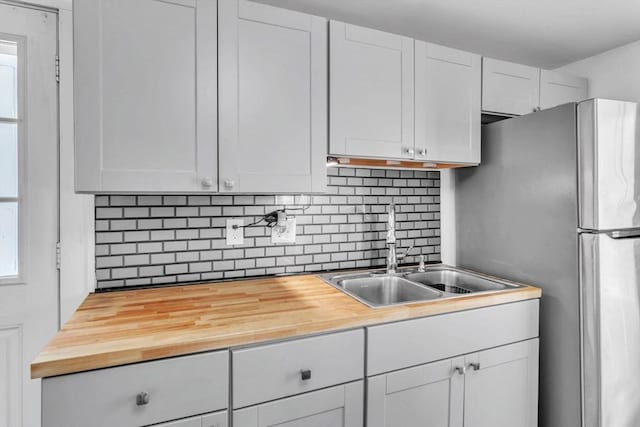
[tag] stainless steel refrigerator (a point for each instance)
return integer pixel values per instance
(555, 204)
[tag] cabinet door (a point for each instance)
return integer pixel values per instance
(273, 99)
(189, 422)
(145, 95)
(219, 419)
(557, 88)
(501, 386)
(509, 88)
(428, 395)
(372, 93)
(448, 91)
(340, 406)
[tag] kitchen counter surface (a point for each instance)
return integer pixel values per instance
(117, 328)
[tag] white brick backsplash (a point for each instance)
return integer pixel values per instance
(146, 240)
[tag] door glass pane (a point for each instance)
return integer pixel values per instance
(8, 239)
(8, 159)
(8, 79)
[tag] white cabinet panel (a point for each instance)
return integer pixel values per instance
(501, 386)
(447, 104)
(252, 383)
(219, 419)
(189, 422)
(509, 88)
(557, 88)
(145, 95)
(428, 395)
(413, 342)
(340, 406)
(371, 93)
(174, 388)
(273, 99)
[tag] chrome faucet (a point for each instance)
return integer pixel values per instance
(392, 256)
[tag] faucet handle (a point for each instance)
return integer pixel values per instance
(421, 267)
(404, 255)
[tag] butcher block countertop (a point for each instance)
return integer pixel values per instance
(117, 328)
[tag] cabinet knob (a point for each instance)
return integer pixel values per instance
(475, 366)
(229, 183)
(142, 398)
(409, 151)
(207, 182)
(305, 374)
(423, 152)
(535, 109)
(460, 370)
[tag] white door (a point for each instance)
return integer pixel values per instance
(340, 406)
(371, 93)
(557, 88)
(448, 91)
(145, 95)
(501, 386)
(428, 395)
(28, 205)
(273, 99)
(509, 88)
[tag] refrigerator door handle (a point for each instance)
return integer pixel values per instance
(624, 234)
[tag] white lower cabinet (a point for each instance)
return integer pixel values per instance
(340, 406)
(501, 386)
(218, 419)
(425, 395)
(495, 387)
(139, 394)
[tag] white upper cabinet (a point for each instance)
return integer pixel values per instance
(557, 88)
(371, 93)
(447, 104)
(145, 95)
(509, 88)
(273, 99)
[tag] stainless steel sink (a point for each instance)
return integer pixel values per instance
(380, 289)
(456, 282)
(383, 290)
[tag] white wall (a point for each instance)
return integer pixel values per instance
(614, 74)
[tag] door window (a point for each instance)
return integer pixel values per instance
(9, 162)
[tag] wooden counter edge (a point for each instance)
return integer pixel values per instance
(41, 367)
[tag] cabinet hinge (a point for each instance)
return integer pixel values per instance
(57, 69)
(58, 255)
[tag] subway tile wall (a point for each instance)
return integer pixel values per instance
(156, 240)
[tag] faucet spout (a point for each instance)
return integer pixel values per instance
(392, 260)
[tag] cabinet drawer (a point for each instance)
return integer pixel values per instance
(177, 388)
(273, 371)
(414, 342)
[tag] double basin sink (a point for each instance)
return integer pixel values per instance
(381, 289)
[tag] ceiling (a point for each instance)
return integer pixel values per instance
(542, 33)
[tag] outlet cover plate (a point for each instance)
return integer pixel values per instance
(286, 236)
(235, 236)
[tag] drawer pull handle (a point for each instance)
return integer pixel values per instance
(460, 370)
(305, 374)
(142, 398)
(475, 366)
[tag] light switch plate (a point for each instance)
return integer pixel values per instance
(288, 235)
(235, 236)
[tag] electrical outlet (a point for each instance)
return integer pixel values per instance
(286, 235)
(235, 232)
